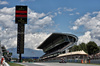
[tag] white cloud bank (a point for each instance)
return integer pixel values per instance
(85, 38)
(91, 23)
(63, 10)
(35, 31)
(3, 2)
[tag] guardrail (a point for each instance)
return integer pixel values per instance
(97, 61)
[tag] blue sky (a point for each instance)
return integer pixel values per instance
(78, 17)
(64, 20)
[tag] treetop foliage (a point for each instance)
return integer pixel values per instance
(90, 48)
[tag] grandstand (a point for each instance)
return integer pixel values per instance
(56, 44)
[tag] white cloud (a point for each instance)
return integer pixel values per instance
(38, 28)
(83, 20)
(71, 14)
(69, 9)
(3, 2)
(44, 21)
(85, 38)
(34, 40)
(77, 13)
(0, 28)
(74, 28)
(39, 22)
(59, 8)
(6, 10)
(35, 16)
(91, 22)
(7, 17)
(62, 10)
(22, 0)
(55, 14)
(59, 12)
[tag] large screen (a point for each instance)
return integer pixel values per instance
(21, 14)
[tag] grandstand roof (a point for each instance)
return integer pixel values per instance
(73, 53)
(54, 36)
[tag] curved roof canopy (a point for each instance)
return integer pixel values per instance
(54, 36)
(73, 53)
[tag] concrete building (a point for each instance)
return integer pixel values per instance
(56, 44)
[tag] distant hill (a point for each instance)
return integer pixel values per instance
(27, 52)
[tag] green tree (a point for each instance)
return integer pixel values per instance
(70, 49)
(83, 47)
(75, 48)
(92, 48)
(99, 48)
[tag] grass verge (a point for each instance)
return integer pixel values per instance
(14, 64)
